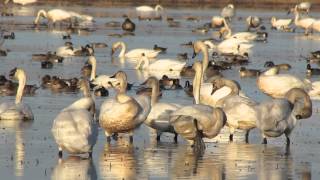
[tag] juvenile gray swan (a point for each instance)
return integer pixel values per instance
(279, 116)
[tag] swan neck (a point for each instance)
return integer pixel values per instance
(294, 95)
(233, 86)
(197, 85)
(227, 28)
(123, 49)
(123, 86)
(93, 63)
(40, 13)
(85, 90)
(155, 93)
(220, 117)
(205, 60)
(21, 76)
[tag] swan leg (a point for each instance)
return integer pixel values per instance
(108, 135)
(288, 139)
(176, 137)
(60, 152)
(90, 154)
(158, 135)
(131, 136)
(231, 129)
(247, 136)
(264, 141)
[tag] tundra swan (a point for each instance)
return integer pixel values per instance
(134, 53)
(161, 64)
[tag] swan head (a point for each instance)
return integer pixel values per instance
(121, 77)
(198, 46)
(151, 81)
(268, 64)
(220, 82)
(231, 6)
(273, 19)
(115, 46)
(41, 13)
(17, 73)
(158, 7)
(294, 96)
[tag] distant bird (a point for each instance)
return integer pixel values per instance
(228, 12)
(253, 22)
(21, 2)
(149, 8)
(128, 25)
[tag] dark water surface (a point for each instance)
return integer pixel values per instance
(28, 151)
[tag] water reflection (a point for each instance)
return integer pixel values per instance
(18, 127)
(118, 161)
(74, 167)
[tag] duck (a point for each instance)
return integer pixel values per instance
(10, 88)
(3, 52)
(228, 12)
(280, 24)
(217, 22)
(188, 88)
(21, 2)
(253, 22)
(46, 65)
(244, 72)
(226, 32)
(158, 48)
(49, 56)
(202, 30)
(57, 15)
(123, 113)
(194, 122)
(315, 54)
(269, 64)
(161, 64)
(240, 110)
(182, 56)
(279, 116)
(159, 116)
(128, 25)
(17, 110)
(67, 36)
(312, 71)
(188, 44)
(9, 36)
(305, 22)
(74, 128)
(277, 85)
(149, 8)
(98, 45)
(63, 85)
(167, 83)
(134, 53)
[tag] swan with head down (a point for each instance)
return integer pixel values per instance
(123, 113)
(197, 121)
(74, 129)
(279, 116)
(16, 110)
(149, 8)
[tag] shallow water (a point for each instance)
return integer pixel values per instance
(28, 151)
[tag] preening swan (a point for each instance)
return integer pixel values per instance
(74, 129)
(279, 116)
(16, 110)
(197, 121)
(253, 22)
(304, 22)
(149, 8)
(123, 113)
(21, 2)
(56, 15)
(230, 46)
(239, 110)
(161, 64)
(159, 115)
(134, 53)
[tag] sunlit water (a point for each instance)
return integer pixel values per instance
(28, 151)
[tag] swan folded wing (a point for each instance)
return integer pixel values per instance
(278, 85)
(167, 64)
(83, 103)
(104, 81)
(273, 114)
(145, 106)
(159, 115)
(240, 115)
(71, 130)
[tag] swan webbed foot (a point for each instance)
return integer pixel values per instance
(231, 138)
(158, 138)
(175, 138)
(264, 141)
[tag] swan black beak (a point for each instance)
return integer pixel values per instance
(12, 73)
(194, 54)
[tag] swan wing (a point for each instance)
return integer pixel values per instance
(104, 81)
(136, 53)
(167, 65)
(145, 105)
(144, 8)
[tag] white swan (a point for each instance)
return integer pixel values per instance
(239, 109)
(56, 15)
(279, 116)
(217, 21)
(228, 11)
(159, 115)
(230, 46)
(101, 80)
(134, 53)
(277, 85)
(16, 110)
(123, 113)
(21, 2)
(197, 121)
(161, 64)
(305, 23)
(226, 32)
(74, 129)
(149, 8)
(65, 51)
(280, 24)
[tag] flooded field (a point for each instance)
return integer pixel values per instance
(28, 150)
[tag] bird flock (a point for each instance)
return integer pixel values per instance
(217, 101)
